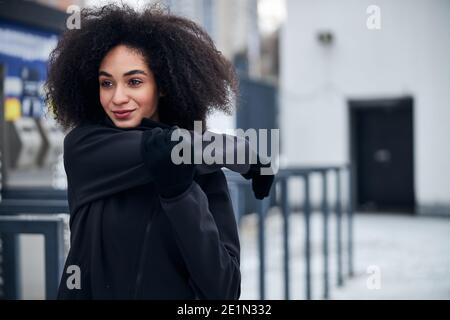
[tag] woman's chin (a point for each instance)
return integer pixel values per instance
(128, 123)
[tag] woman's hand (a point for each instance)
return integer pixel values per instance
(261, 184)
(170, 179)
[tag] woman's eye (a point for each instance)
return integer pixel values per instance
(135, 82)
(106, 83)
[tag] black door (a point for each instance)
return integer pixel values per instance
(382, 151)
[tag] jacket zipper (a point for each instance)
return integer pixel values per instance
(142, 257)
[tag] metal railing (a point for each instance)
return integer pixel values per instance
(36, 211)
(47, 201)
(52, 227)
(282, 178)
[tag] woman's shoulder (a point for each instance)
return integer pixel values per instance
(87, 129)
(77, 133)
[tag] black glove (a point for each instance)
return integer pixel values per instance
(261, 184)
(170, 179)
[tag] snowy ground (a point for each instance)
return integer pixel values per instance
(412, 255)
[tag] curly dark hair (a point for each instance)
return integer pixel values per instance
(193, 75)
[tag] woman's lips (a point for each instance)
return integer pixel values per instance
(123, 114)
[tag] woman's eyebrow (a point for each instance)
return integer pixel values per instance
(131, 72)
(104, 73)
(128, 73)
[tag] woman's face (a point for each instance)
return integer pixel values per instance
(128, 90)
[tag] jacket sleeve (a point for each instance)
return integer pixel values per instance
(207, 235)
(234, 153)
(100, 161)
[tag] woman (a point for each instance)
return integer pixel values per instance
(141, 226)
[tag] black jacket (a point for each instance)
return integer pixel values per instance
(131, 244)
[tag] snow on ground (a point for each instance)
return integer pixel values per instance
(411, 255)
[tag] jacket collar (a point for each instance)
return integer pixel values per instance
(145, 124)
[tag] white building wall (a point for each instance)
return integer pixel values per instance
(409, 55)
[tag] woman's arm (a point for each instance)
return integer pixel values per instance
(100, 161)
(207, 234)
(103, 160)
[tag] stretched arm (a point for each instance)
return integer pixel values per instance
(103, 160)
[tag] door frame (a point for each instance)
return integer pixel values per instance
(357, 104)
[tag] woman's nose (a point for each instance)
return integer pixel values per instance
(120, 96)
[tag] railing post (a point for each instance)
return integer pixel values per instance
(286, 213)
(54, 258)
(339, 228)
(234, 194)
(10, 263)
(307, 211)
(350, 221)
(326, 294)
(264, 204)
